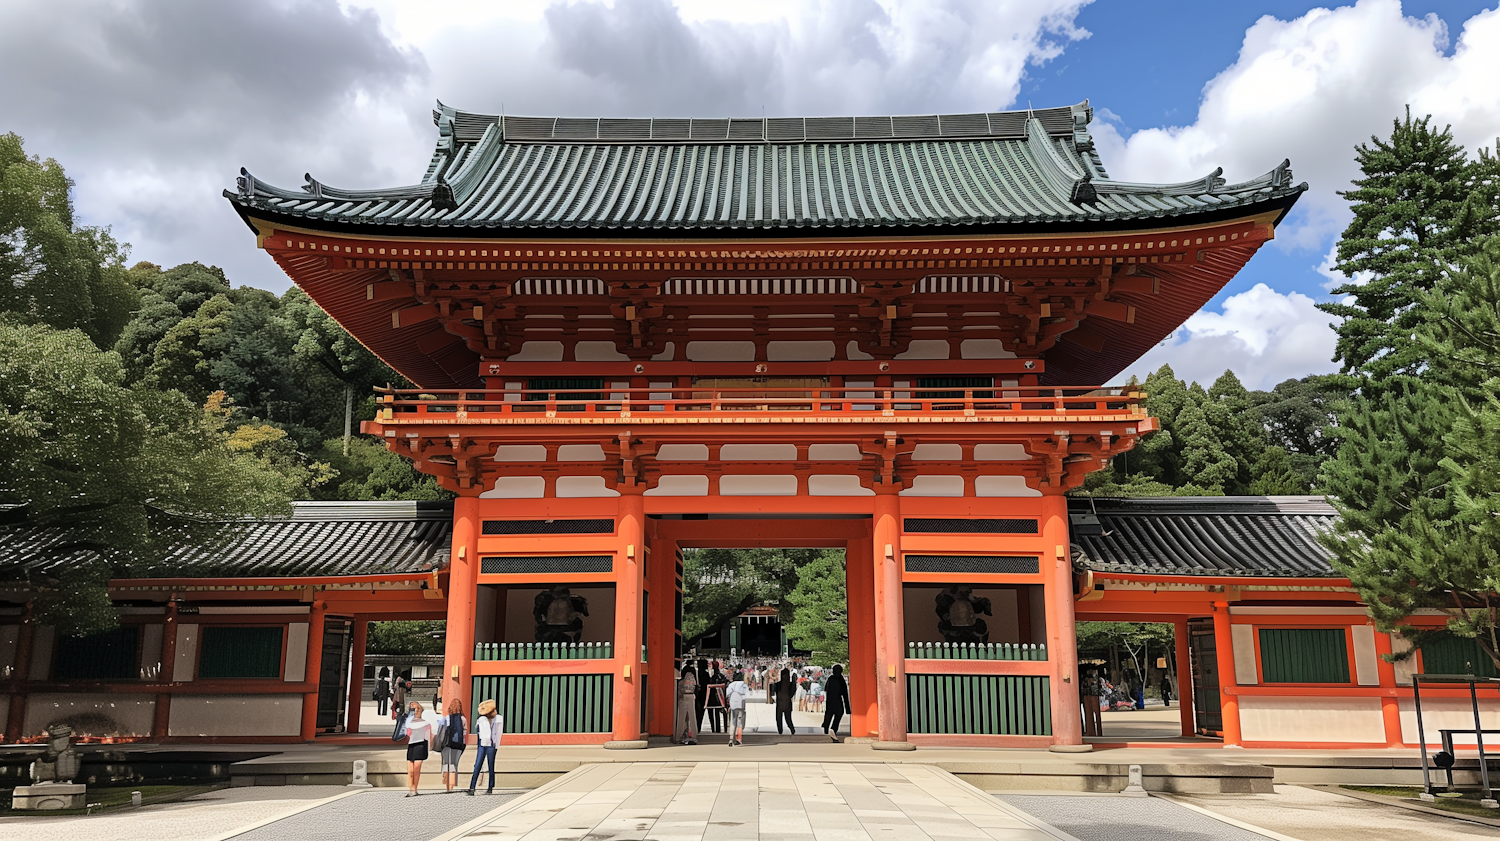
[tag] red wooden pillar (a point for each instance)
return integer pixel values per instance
(314, 670)
(1184, 677)
(863, 677)
(631, 530)
(162, 722)
(890, 656)
(463, 569)
(1390, 707)
(661, 572)
(1062, 632)
(1229, 700)
(357, 674)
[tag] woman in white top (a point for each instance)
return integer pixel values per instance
(734, 695)
(418, 734)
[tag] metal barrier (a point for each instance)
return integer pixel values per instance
(543, 650)
(987, 705)
(550, 703)
(975, 651)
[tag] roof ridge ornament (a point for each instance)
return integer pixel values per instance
(442, 195)
(245, 184)
(312, 185)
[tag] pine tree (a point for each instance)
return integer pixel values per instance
(1419, 207)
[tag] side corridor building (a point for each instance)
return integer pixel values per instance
(634, 337)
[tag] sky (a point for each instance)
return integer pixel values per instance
(154, 105)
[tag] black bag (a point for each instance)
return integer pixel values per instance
(400, 732)
(453, 732)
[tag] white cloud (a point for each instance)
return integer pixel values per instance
(1311, 89)
(1265, 337)
(153, 105)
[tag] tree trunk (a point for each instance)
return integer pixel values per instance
(348, 414)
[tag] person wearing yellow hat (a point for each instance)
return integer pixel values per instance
(490, 726)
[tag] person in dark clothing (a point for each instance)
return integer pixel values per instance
(383, 691)
(701, 702)
(836, 690)
(785, 690)
(717, 714)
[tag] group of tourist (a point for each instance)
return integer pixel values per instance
(448, 735)
(705, 688)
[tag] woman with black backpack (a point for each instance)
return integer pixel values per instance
(451, 739)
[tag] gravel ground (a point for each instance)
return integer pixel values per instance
(1127, 819)
(381, 813)
(1313, 815)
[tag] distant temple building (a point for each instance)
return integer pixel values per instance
(881, 334)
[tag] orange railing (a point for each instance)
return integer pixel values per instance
(411, 405)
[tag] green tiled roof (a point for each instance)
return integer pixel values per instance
(767, 175)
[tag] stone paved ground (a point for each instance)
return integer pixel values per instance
(204, 816)
(1127, 819)
(379, 814)
(765, 801)
(1315, 815)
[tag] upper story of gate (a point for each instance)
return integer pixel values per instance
(547, 242)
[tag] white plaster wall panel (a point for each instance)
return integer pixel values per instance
(925, 349)
(799, 351)
(668, 353)
(1243, 639)
(758, 452)
(853, 352)
(296, 653)
(1450, 714)
(517, 487)
(1000, 452)
(151, 639)
(1404, 668)
(597, 352)
(721, 351)
(10, 640)
(1311, 719)
(619, 391)
(682, 452)
(984, 349)
(680, 486)
(758, 485)
(185, 658)
(936, 486)
(235, 715)
(1366, 671)
(937, 452)
(92, 713)
(42, 639)
(538, 352)
(833, 452)
(664, 394)
(514, 387)
(1003, 486)
(834, 485)
(580, 452)
(520, 452)
(578, 487)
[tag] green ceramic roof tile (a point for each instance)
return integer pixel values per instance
(769, 175)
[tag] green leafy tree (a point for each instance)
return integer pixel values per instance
(820, 608)
(91, 457)
(367, 470)
(1299, 416)
(1420, 206)
(720, 584)
(53, 271)
(414, 636)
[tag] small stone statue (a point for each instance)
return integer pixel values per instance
(60, 763)
(559, 615)
(958, 611)
(52, 776)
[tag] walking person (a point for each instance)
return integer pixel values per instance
(686, 728)
(452, 737)
(1166, 690)
(785, 690)
(382, 694)
(418, 733)
(1092, 691)
(489, 727)
(701, 699)
(399, 695)
(734, 695)
(837, 692)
